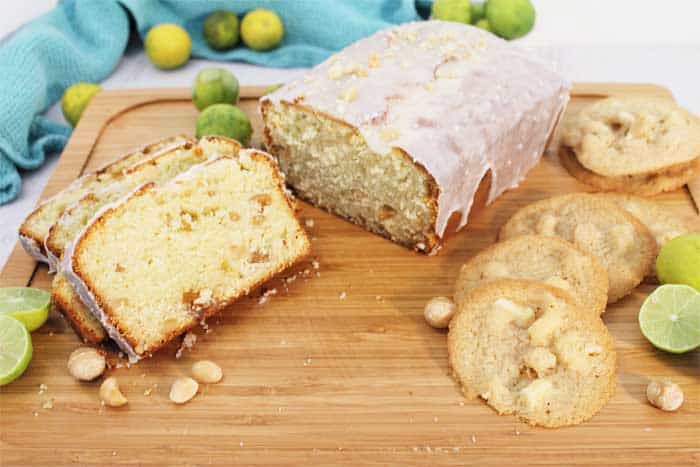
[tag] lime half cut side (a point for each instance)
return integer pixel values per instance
(670, 318)
(30, 306)
(15, 349)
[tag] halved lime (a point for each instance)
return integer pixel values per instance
(30, 306)
(15, 349)
(670, 318)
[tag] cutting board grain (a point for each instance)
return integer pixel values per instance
(337, 367)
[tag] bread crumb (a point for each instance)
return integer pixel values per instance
(307, 362)
(187, 343)
(342, 295)
(473, 439)
(315, 264)
(42, 388)
(47, 404)
(309, 223)
(266, 296)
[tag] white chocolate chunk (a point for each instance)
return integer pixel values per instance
(521, 315)
(534, 395)
(541, 360)
(557, 281)
(544, 328)
(571, 349)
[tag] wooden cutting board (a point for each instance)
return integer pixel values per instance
(337, 367)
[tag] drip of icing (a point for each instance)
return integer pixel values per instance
(460, 101)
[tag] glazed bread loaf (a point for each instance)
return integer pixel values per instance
(36, 226)
(159, 169)
(398, 131)
(164, 258)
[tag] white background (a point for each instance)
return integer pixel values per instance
(593, 40)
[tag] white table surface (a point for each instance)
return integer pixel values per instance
(593, 40)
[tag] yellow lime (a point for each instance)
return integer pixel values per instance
(459, 11)
(30, 306)
(679, 261)
(76, 99)
(15, 349)
(214, 86)
(670, 318)
(220, 30)
(224, 120)
(168, 46)
(510, 19)
(262, 29)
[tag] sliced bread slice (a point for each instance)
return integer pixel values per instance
(158, 169)
(163, 259)
(36, 226)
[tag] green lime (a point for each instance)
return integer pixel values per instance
(679, 261)
(670, 318)
(510, 19)
(15, 349)
(168, 46)
(224, 120)
(484, 24)
(220, 30)
(262, 29)
(76, 99)
(30, 306)
(214, 86)
(478, 11)
(459, 11)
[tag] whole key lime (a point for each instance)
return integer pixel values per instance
(168, 46)
(262, 29)
(76, 99)
(214, 86)
(225, 120)
(679, 261)
(510, 19)
(484, 24)
(220, 30)
(478, 11)
(459, 11)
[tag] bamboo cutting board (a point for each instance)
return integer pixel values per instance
(337, 367)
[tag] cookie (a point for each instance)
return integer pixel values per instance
(527, 349)
(622, 244)
(546, 259)
(636, 136)
(648, 184)
(662, 222)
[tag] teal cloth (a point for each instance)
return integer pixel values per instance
(83, 40)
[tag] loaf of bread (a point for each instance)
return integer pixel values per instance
(164, 258)
(398, 131)
(36, 226)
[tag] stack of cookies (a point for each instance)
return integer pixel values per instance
(528, 337)
(642, 146)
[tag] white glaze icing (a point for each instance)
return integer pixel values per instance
(458, 100)
(32, 248)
